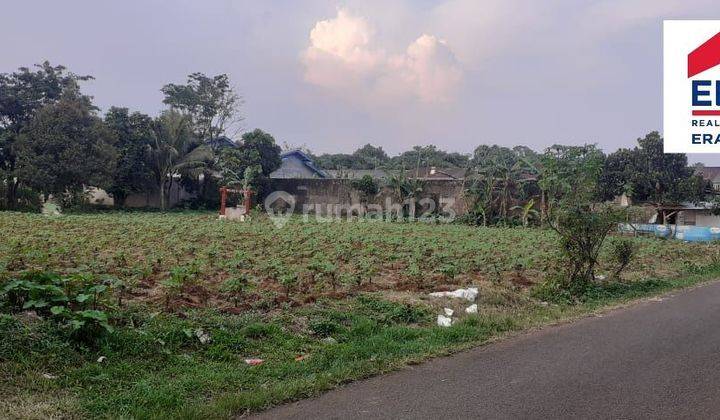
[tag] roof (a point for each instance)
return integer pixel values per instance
(710, 173)
(221, 142)
(426, 173)
(686, 205)
(305, 160)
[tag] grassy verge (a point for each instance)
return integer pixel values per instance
(155, 366)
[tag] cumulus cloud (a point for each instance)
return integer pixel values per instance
(342, 58)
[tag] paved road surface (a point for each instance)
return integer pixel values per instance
(657, 359)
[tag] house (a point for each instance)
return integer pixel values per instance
(712, 174)
(297, 164)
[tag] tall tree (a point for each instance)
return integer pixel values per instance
(22, 94)
(421, 156)
(650, 175)
(134, 134)
(570, 173)
(371, 157)
(66, 147)
(499, 180)
(172, 141)
(210, 102)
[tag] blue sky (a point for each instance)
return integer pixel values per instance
(335, 75)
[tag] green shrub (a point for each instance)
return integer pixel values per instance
(622, 251)
(75, 301)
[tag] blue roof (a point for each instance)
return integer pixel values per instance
(306, 160)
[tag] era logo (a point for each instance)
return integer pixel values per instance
(691, 86)
(704, 58)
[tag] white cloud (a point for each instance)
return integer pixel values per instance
(342, 58)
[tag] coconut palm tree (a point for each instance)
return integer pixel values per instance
(169, 152)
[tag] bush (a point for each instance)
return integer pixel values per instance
(366, 185)
(582, 231)
(622, 251)
(74, 301)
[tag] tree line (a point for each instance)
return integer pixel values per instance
(519, 185)
(53, 141)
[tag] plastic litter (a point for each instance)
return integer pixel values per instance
(101, 359)
(202, 336)
(468, 294)
(472, 309)
(254, 362)
(444, 321)
(448, 311)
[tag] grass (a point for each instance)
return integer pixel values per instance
(154, 365)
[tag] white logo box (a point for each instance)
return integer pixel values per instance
(683, 131)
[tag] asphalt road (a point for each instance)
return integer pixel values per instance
(656, 359)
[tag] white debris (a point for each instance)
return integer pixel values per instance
(444, 321)
(49, 376)
(448, 311)
(101, 359)
(469, 294)
(472, 309)
(202, 336)
(601, 277)
(329, 340)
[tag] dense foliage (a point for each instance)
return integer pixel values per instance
(54, 144)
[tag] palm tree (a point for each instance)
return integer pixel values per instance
(406, 188)
(168, 152)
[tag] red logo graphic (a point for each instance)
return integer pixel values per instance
(704, 57)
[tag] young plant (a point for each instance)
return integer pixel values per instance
(235, 287)
(288, 280)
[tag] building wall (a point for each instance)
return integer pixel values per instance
(152, 198)
(323, 196)
(704, 218)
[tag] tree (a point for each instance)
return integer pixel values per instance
(651, 175)
(134, 135)
(66, 147)
(499, 180)
(370, 157)
(251, 162)
(210, 103)
(22, 94)
(421, 156)
(569, 173)
(172, 141)
(339, 161)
